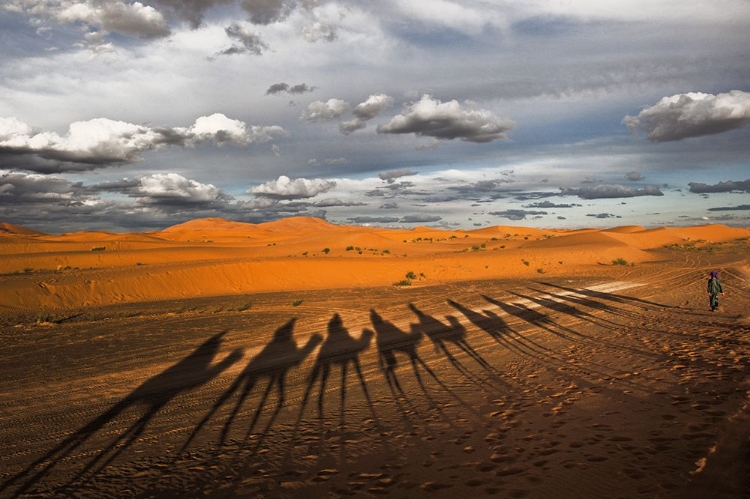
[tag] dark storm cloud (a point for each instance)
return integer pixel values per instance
(332, 202)
(193, 11)
(392, 175)
(248, 41)
(396, 189)
(610, 191)
(373, 220)
(692, 114)
(550, 205)
(388, 206)
(300, 88)
(742, 207)
(603, 215)
(420, 219)
(517, 214)
(440, 199)
(728, 186)
(22, 188)
(494, 189)
(447, 121)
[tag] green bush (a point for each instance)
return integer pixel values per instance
(619, 261)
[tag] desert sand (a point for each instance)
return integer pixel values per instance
(303, 359)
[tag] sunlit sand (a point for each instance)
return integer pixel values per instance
(303, 359)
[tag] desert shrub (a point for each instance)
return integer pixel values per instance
(296, 303)
(386, 252)
(350, 248)
(540, 270)
(402, 282)
(326, 250)
(411, 275)
(98, 248)
(304, 254)
(525, 262)
(619, 261)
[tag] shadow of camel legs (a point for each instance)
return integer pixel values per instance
(188, 374)
(273, 363)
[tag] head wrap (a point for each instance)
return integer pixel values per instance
(714, 274)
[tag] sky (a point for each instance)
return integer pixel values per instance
(134, 116)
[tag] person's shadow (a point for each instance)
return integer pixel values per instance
(342, 349)
(273, 363)
(188, 374)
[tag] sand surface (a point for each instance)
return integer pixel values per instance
(217, 359)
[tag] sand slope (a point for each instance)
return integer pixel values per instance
(226, 360)
(211, 257)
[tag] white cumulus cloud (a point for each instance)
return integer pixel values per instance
(448, 120)
(298, 188)
(102, 141)
(324, 111)
(693, 114)
(160, 186)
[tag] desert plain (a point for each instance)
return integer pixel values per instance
(304, 359)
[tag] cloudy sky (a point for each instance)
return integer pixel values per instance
(134, 116)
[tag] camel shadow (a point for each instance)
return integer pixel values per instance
(498, 329)
(535, 318)
(273, 363)
(454, 334)
(186, 375)
(339, 348)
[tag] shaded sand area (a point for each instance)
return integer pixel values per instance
(214, 359)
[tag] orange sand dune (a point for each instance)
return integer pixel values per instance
(211, 257)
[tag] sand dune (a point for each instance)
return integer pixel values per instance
(291, 360)
(212, 257)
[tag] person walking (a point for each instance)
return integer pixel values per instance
(714, 289)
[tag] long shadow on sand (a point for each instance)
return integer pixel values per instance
(535, 318)
(498, 329)
(188, 374)
(273, 363)
(454, 334)
(615, 298)
(339, 348)
(392, 341)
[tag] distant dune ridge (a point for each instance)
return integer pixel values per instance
(214, 256)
